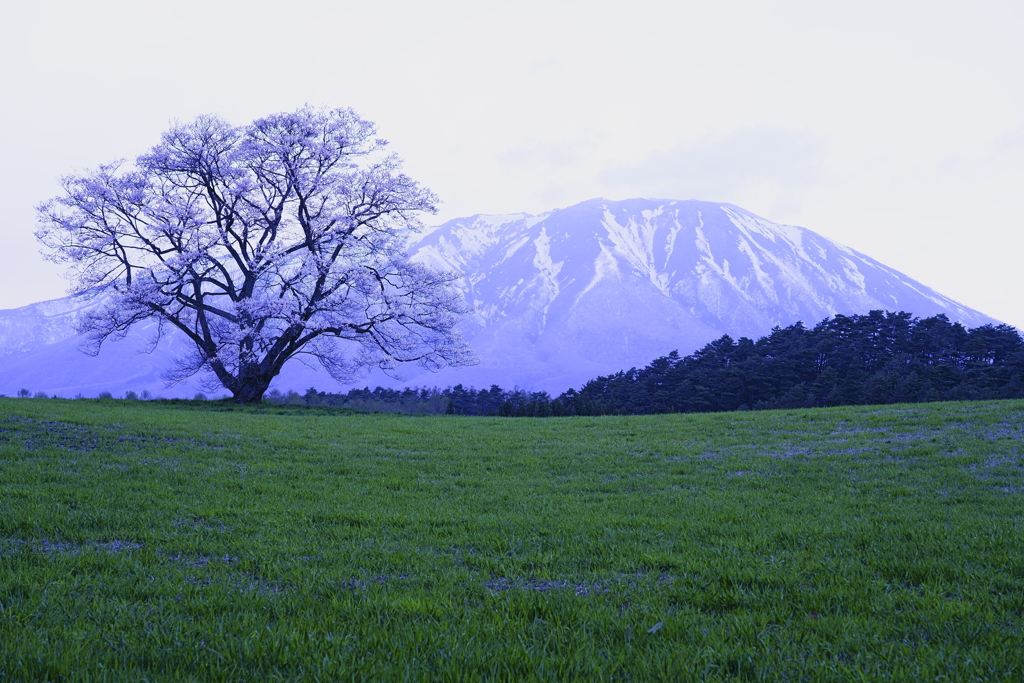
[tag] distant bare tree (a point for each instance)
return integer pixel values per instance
(260, 243)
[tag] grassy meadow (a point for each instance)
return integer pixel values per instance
(189, 541)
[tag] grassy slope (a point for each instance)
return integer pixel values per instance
(139, 539)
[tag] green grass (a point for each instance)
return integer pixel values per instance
(157, 541)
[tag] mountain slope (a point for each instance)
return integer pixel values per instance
(559, 298)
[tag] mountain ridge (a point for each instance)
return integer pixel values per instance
(561, 297)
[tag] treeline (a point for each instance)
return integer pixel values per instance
(457, 400)
(881, 357)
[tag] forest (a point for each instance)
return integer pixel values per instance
(882, 357)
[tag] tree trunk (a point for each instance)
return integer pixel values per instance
(250, 389)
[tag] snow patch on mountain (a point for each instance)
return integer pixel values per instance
(605, 266)
(547, 271)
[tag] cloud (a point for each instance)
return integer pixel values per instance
(569, 150)
(761, 162)
(1008, 144)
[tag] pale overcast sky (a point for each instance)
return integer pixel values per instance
(896, 128)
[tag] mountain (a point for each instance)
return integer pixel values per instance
(559, 298)
(40, 351)
(605, 285)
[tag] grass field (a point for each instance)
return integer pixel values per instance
(157, 541)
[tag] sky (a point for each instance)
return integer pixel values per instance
(896, 128)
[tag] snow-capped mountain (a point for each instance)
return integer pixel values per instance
(40, 351)
(558, 298)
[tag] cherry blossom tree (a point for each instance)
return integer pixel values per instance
(260, 243)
